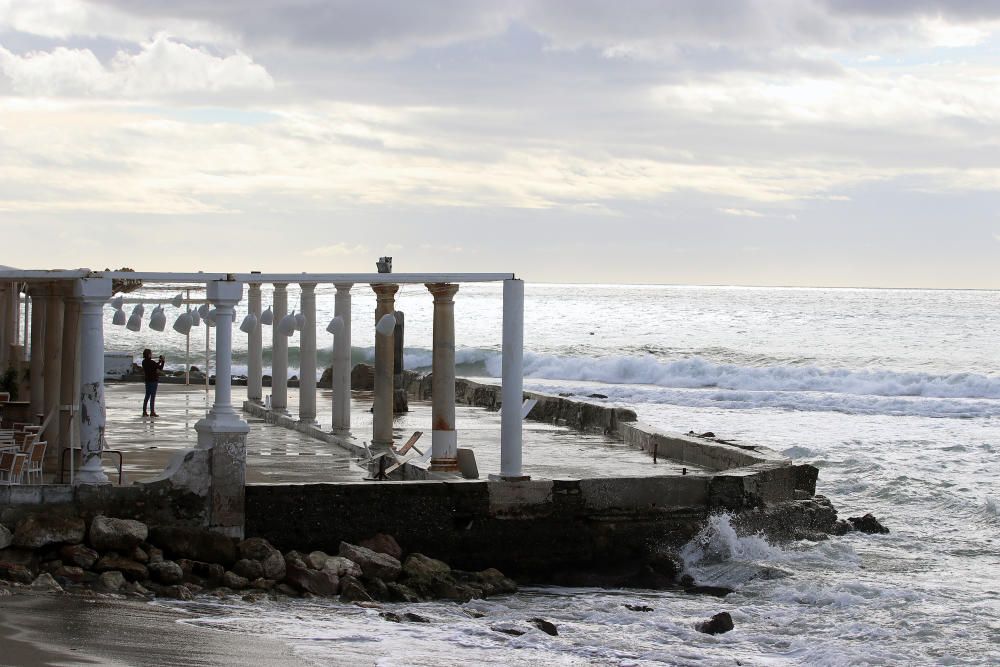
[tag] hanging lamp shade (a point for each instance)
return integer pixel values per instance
(386, 325)
(134, 322)
(210, 317)
(119, 319)
(300, 321)
(117, 302)
(158, 320)
(139, 310)
(267, 317)
(286, 326)
(249, 323)
(183, 323)
(195, 317)
(177, 300)
(203, 310)
(336, 326)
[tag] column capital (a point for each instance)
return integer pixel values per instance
(92, 290)
(307, 287)
(344, 287)
(279, 286)
(385, 290)
(253, 287)
(443, 292)
(224, 293)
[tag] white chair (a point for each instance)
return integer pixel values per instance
(36, 462)
(12, 467)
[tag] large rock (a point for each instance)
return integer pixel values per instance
(420, 566)
(37, 531)
(494, 582)
(317, 582)
(16, 572)
(867, 524)
(383, 544)
(718, 624)
(342, 567)
(6, 537)
(70, 573)
(195, 544)
(251, 569)
(109, 534)
(132, 570)
(111, 581)
(352, 590)
(166, 572)
(45, 583)
(317, 559)
(234, 581)
(255, 548)
(274, 566)
(373, 565)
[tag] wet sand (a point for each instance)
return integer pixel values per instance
(60, 630)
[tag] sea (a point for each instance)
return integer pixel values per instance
(894, 394)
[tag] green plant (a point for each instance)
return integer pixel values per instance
(8, 383)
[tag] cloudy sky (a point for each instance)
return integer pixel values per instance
(781, 142)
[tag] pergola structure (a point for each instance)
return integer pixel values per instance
(66, 365)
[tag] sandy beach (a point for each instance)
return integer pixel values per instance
(61, 630)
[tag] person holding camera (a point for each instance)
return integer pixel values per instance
(151, 373)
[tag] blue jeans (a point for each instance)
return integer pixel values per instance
(150, 397)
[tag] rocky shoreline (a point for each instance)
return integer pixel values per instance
(109, 556)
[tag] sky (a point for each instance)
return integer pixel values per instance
(753, 142)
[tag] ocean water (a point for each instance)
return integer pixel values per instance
(893, 394)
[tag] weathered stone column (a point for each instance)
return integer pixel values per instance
(444, 439)
(255, 348)
(93, 293)
(382, 410)
(222, 431)
(69, 389)
(36, 370)
(5, 342)
(307, 354)
(279, 350)
(53, 362)
(342, 362)
(512, 387)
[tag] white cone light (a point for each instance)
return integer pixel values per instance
(286, 326)
(183, 324)
(336, 326)
(158, 320)
(195, 318)
(386, 325)
(249, 323)
(267, 317)
(300, 321)
(177, 300)
(117, 302)
(134, 322)
(203, 310)
(119, 318)
(210, 317)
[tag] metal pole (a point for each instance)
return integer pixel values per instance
(187, 349)
(207, 352)
(512, 389)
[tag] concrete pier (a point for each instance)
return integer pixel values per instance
(279, 350)
(382, 417)
(444, 439)
(307, 354)
(342, 361)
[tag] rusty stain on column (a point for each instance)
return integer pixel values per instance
(382, 410)
(53, 361)
(444, 439)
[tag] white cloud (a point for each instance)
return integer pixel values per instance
(742, 212)
(337, 249)
(161, 67)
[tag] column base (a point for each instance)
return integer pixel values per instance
(444, 465)
(93, 477)
(510, 478)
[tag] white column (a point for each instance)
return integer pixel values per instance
(384, 353)
(69, 390)
(5, 296)
(307, 354)
(36, 370)
(512, 390)
(255, 348)
(342, 362)
(53, 362)
(444, 439)
(224, 295)
(93, 293)
(279, 350)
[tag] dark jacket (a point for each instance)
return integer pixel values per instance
(151, 370)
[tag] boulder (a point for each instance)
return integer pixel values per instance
(110, 534)
(420, 566)
(155, 555)
(166, 572)
(317, 582)
(718, 624)
(383, 544)
(274, 566)
(16, 572)
(255, 548)
(352, 590)
(37, 531)
(46, 584)
(867, 524)
(177, 592)
(6, 537)
(111, 581)
(494, 582)
(251, 569)
(194, 543)
(377, 589)
(139, 554)
(131, 570)
(397, 592)
(342, 567)
(317, 560)
(547, 627)
(373, 565)
(79, 555)
(70, 573)
(234, 581)
(263, 584)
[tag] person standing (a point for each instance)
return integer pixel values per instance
(151, 373)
